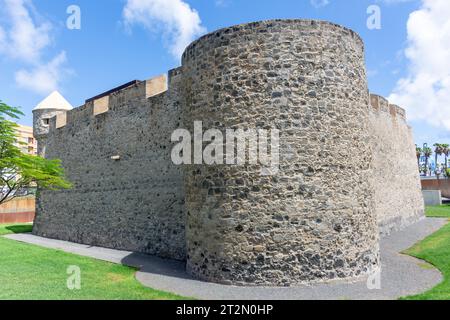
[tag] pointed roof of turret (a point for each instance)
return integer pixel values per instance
(54, 101)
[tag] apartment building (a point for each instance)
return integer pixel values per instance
(26, 141)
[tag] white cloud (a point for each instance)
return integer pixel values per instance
(43, 78)
(319, 3)
(425, 91)
(372, 73)
(175, 19)
(222, 3)
(25, 39)
(2, 37)
(388, 2)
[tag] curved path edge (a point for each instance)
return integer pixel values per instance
(401, 275)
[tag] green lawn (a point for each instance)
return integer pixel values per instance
(438, 211)
(34, 273)
(435, 250)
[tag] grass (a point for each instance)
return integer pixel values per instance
(34, 273)
(15, 228)
(435, 250)
(29, 272)
(442, 211)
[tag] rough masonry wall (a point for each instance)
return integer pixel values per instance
(135, 203)
(346, 168)
(398, 196)
(315, 219)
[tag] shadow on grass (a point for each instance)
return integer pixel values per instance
(155, 265)
(20, 228)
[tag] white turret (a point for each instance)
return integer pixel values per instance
(48, 108)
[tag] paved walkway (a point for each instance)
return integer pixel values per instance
(401, 275)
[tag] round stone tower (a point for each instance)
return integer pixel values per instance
(314, 219)
(48, 108)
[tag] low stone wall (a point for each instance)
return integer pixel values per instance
(19, 210)
(432, 197)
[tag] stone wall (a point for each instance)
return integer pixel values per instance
(134, 203)
(315, 219)
(398, 197)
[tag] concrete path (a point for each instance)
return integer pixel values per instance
(401, 275)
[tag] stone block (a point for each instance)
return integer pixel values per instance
(156, 86)
(61, 120)
(101, 105)
(432, 197)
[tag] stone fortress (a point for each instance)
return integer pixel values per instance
(348, 170)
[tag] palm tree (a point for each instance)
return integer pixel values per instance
(439, 150)
(446, 152)
(427, 152)
(418, 155)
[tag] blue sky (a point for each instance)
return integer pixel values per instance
(112, 48)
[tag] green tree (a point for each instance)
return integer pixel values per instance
(418, 155)
(446, 152)
(427, 152)
(19, 170)
(438, 151)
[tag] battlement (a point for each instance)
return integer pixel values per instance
(112, 100)
(381, 104)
